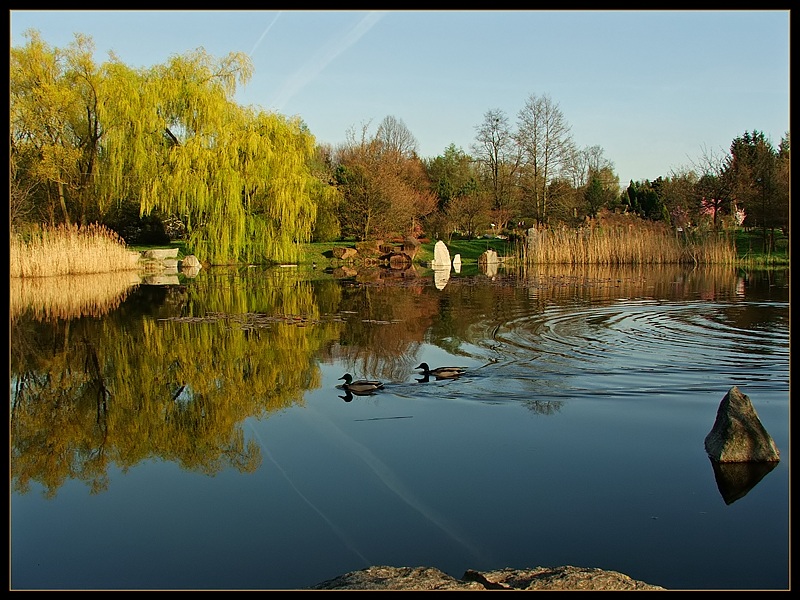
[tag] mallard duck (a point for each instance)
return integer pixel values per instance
(360, 387)
(442, 372)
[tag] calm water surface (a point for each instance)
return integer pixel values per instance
(192, 436)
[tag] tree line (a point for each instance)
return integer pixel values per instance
(164, 151)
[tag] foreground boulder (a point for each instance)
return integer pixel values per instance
(738, 435)
(539, 578)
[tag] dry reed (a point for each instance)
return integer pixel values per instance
(625, 244)
(69, 250)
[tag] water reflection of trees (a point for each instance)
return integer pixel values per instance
(385, 325)
(599, 282)
(172, 372)
(90, 393)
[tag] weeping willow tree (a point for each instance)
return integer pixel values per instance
(169, 137)
(238, 177)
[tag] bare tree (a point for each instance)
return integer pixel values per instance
(21, 205)
(677, 194)
(396, 137)
(469, 213)
(384, 185)
(546, 144)
(498, 154)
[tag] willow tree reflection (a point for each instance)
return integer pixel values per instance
(90, 393)
(173, 372)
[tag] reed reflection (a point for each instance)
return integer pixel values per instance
(67, 297)
(172, 372)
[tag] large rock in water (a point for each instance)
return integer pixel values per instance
(539, 578)
(737, 434)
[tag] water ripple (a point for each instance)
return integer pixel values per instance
(642, 345)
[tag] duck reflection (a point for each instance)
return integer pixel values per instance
(348, 394)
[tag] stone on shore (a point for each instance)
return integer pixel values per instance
(441, 256)
(161, 253)
(190, 262)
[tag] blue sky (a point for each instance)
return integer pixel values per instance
(655, 89)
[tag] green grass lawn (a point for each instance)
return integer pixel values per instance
(749, 246)
(470, 250)
(321, 253)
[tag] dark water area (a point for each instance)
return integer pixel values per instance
(194, 435)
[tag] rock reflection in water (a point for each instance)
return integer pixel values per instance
(735, 480)
(440, 277)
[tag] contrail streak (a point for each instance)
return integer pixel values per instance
(393, 483)
(335, 528)
(323, 57)
(264, 34)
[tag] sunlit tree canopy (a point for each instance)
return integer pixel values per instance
(170, 138)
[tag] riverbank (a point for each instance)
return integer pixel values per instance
(68, 251)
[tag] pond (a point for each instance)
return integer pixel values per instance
(189, 433)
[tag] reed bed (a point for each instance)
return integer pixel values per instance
(69, 250)
(625, 245)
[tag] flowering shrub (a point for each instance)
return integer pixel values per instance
(738, 215)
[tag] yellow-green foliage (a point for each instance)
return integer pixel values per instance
(172, 137)
(69, 250)
(176, 389)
